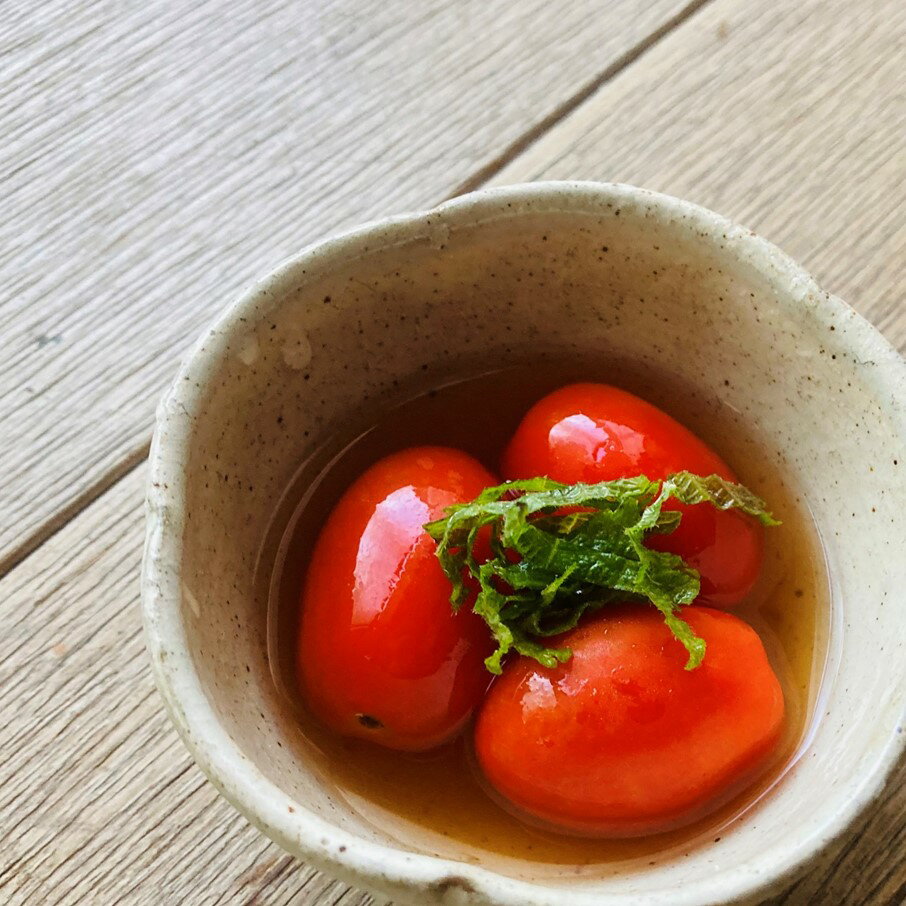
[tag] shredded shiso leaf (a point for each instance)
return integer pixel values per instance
(558, 552)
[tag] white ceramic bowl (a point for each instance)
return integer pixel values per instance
(360, 320)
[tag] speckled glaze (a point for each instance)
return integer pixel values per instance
(366, 318)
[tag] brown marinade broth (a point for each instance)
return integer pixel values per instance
(440, 789)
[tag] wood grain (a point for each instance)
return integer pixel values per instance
(158, 156)
(788, 117)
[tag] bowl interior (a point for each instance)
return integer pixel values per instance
(621, 278)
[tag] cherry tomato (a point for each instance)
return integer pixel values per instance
(381, 653)
(621, 740)
(594, 432)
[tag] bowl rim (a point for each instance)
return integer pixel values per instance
(301, 832)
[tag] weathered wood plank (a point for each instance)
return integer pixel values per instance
(158, 156)
(789, 118)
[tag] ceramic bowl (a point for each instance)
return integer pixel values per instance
(570, 269)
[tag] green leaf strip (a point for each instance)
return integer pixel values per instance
(560, 551)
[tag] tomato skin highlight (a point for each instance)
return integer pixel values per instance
(381, 654)
(622, 740)
(595, 432)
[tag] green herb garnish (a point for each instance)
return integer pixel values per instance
(579, 547)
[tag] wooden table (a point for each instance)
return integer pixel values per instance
(156, 156)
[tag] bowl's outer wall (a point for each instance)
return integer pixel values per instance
(575, 270)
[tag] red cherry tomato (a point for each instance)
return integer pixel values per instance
(381, 654)
(621, 740)
(593, 432)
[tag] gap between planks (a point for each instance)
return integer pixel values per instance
(530, 136)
